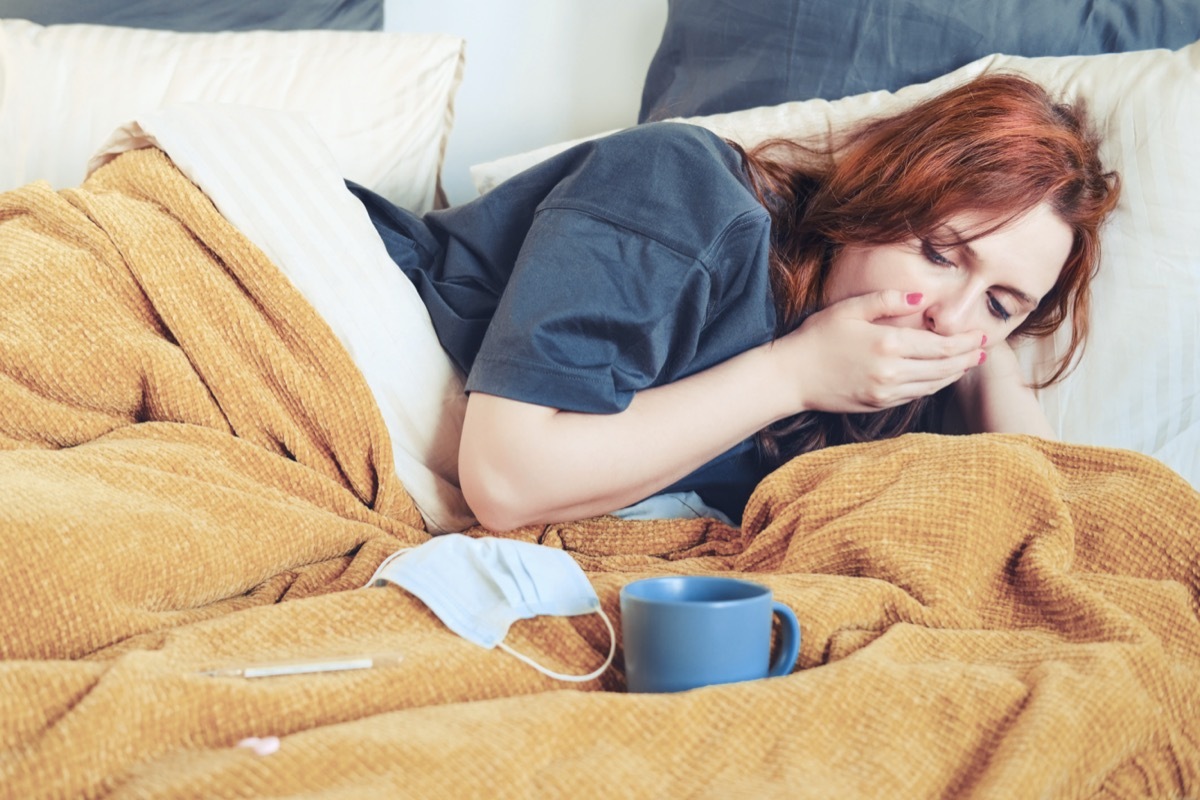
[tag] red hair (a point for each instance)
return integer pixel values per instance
(998, 144)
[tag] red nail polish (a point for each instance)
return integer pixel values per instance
(982, 357)
(913, 298)
(984, 342)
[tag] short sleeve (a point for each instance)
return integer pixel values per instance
(594, 312)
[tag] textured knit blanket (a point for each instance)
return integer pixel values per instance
(193, 474)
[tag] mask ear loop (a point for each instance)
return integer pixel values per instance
(387, 562)
(612, 651)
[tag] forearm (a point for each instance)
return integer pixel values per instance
(521, 464)
(996, 399)
(1014, 410)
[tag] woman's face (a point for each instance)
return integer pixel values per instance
(990, 284)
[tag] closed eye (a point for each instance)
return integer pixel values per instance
(934, 257)
(998, 310)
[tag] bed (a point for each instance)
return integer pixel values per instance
(222, 408)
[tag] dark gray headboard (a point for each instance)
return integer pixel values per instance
(205, 15)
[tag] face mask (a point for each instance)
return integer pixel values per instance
(480, 586)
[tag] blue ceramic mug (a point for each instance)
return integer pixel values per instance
(685, 631)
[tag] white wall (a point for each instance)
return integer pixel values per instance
(537, 71)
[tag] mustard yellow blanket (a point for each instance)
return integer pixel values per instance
(193, 473)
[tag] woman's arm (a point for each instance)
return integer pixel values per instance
(996, 399)
(521, 464)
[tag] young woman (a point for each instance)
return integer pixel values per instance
(659, 310)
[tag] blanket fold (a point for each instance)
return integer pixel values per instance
(195, 475)
(162, 382)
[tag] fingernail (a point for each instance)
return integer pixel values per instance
(983, 357)
(984, 342)
(913, 298)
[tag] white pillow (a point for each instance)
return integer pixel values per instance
(382, 101)
(272, 177)
(1138, 384)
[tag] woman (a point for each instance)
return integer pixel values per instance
(659, 310)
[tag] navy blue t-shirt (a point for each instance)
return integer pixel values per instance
(620, 264)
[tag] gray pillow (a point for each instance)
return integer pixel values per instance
(208, 15)
(725, 55)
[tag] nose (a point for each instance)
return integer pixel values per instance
(950, 313)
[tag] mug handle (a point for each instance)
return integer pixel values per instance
(789, 642)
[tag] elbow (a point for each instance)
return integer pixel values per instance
(491, 494)
(492, 510)
(502, 444)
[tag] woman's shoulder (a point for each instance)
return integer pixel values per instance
(678, 141)
(670, 131)
(658, 170)
(652, 159)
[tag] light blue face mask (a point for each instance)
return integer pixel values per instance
(480, 586)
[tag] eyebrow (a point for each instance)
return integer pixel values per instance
(965, 246)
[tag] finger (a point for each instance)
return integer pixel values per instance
(923, 344)
(932, 370)
(883, 304)
(920, 389)
(915, 390)
(906, 381)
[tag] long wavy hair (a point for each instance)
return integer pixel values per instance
(999, 144)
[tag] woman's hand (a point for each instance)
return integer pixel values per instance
(996, 399)
(843, 359)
